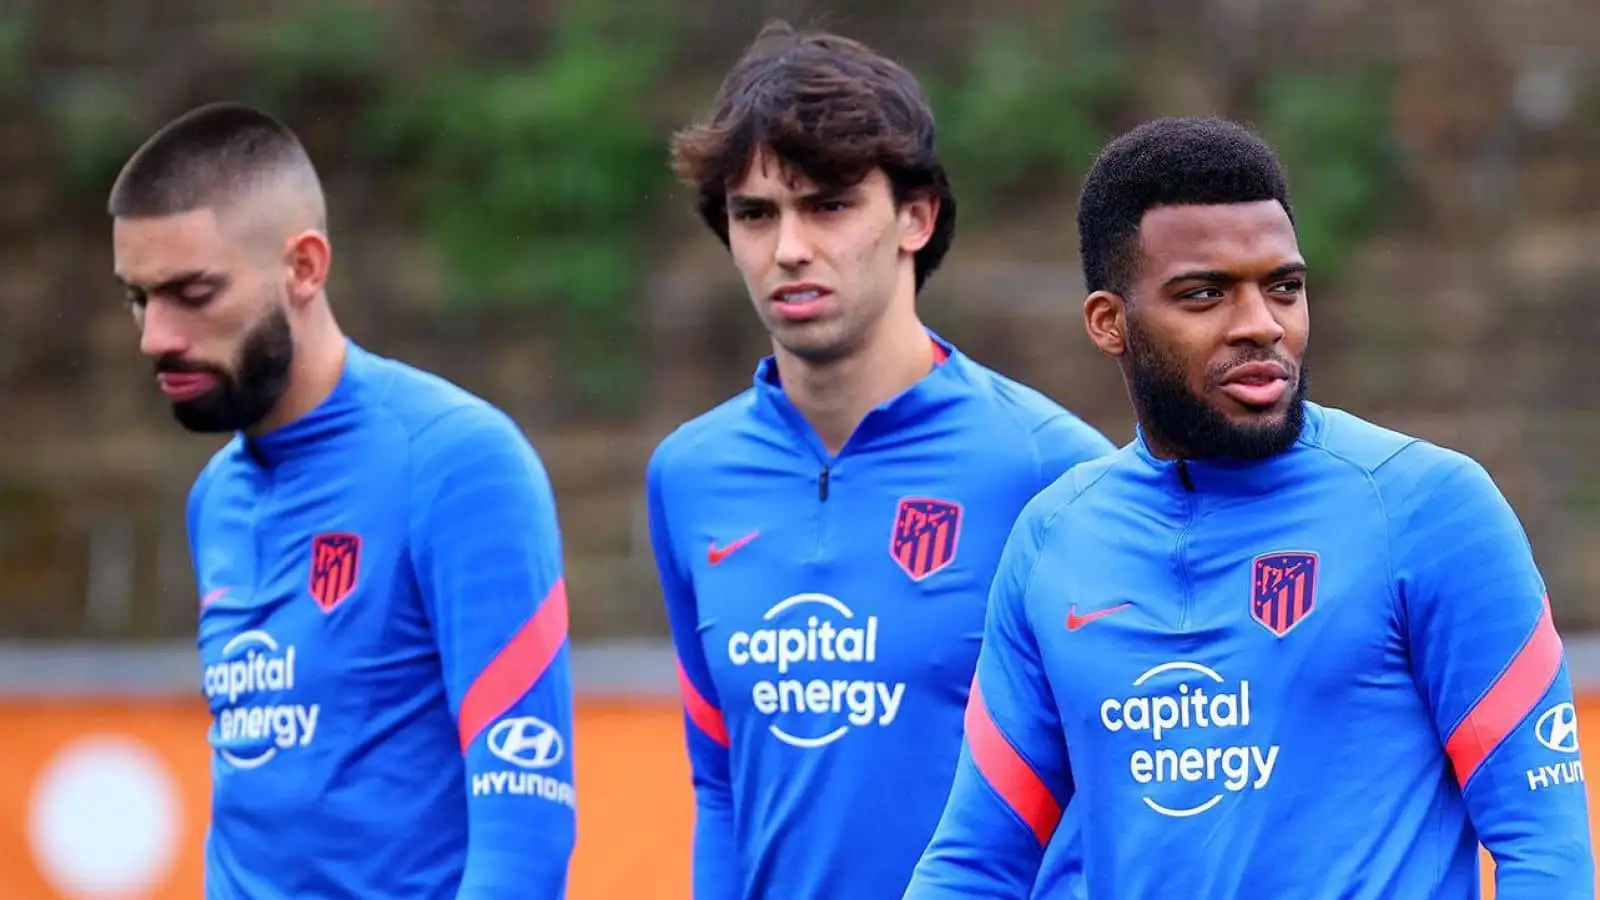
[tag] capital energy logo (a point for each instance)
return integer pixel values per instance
(819, 655)
(1186, 713)
(251, 691)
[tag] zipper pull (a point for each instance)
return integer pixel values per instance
(1183, 475)
(822, 485)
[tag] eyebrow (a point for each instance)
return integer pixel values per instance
(748, 201)
(1220, 277)
(176, 283)
(745, 201)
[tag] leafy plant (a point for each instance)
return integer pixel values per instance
(88, 116)
(534, 182)
(311, 41)
(1029, 100)
(93, 123)
(14, 27)
(1333, 136)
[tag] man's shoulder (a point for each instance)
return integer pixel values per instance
(1055, 437)
(1374, 447)
(1028, 407)
(708, 439)
(1408, 471)
(1083, 489)
(1357, 441)
(416, 397)
(436, 416)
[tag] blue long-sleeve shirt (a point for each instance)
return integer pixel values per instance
(1330, 674)
(827, 612)
(383, 638)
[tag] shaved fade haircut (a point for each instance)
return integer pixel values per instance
(1174, 161)
(212, 156)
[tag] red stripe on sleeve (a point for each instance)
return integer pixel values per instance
(517, 668)
(1508, 701)
(705, 717)
(1005, 770)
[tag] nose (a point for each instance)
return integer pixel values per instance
(1255, 319)
(160, 333)
(794, 249)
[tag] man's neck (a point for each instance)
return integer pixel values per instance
(315, 372)
(1157, 443)
(835, 397)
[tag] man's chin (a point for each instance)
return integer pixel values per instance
(1248, 419)
(1256, 434)
(815, 342)
(199, 416)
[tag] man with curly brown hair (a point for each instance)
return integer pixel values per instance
(825, 540)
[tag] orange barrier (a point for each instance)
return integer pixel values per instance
(108, 799)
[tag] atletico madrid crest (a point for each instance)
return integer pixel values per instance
(335, 565)
(1283, 589)
(926, 534)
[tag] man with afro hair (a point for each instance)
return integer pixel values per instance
(1310, 658)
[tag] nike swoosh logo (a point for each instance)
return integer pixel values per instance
(717, 554)
(1075, 621)
(214, 596)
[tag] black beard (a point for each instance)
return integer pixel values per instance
(246, 395)
(1195, 428)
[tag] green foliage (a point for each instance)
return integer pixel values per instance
(1029, 103)
(93, 123)
(13, 41)
(1333, 137)
(530, 179)
(88, 116)
(329, 36)
(312, 41)
(535, 181)
(1592, 104)
(1584, 496)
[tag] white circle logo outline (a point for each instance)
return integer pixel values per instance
(1180, 665)
(245, 639)
(781, 606)
(546, 742)
(1557, 729)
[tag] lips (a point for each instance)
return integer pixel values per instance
(1259, 384)
(184, 386)
(798, 302)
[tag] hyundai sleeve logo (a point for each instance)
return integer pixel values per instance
(527, 742)
(1558, 728)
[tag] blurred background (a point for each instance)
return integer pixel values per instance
(502, 214)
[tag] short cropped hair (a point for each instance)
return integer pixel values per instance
(832, 109)
(1175, 161)
(203, 158)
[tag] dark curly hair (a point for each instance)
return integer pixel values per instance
(1175, 161)
(833, 110)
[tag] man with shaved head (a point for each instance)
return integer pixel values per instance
(383, 615)
(220, 236)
